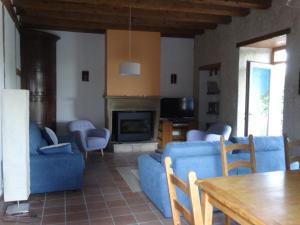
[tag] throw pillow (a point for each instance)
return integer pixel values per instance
(46, 136)
(56, 149)
(52, 135)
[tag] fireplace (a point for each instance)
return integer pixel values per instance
(116, 104)
(131, 126)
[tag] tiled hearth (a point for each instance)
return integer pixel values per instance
(105, 199)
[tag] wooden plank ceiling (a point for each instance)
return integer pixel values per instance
(180, 18)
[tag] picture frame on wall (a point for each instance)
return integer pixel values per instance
(212, 88)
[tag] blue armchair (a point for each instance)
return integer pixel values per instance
(213, 133)
(88, 137)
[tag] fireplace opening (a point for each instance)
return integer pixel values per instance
(132, 126)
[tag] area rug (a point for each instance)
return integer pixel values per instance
(131, 177)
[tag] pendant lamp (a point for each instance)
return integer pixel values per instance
(129, 68)
(293, 3)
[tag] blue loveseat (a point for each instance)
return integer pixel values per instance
(54, 172)
(204, 158)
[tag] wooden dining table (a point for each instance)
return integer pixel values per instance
(271, 198)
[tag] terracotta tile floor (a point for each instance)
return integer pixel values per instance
(105, 199)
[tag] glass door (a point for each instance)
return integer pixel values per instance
(258, 89)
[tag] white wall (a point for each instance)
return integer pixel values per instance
(177, 56)
(77, 99)
(1, 87)
(220, 46)
(82, 51)
(11, 37)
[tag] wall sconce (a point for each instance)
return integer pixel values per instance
(173, 78)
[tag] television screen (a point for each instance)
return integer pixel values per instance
(176, 108)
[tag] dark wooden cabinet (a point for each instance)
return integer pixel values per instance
(38, 62)
(169, 131)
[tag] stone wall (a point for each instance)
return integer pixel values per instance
(220, 46)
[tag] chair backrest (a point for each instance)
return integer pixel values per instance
(226, 167)
(289, 147)
(193, 217)
(80, 125)
(221, 129)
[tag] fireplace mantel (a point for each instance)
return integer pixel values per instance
(133, 103)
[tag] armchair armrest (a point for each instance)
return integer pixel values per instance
(102, 132)
(212, 137)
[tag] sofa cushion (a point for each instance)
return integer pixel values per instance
(95, 142)
(62, 148)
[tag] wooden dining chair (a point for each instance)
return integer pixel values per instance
(289, 149)
(226, 167)
(193, 216)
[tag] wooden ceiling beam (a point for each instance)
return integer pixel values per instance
(27, 9)
(64, 24)
(118, 20)
(254, 4)
(165, 5)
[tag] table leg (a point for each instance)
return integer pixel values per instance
(207, 209)
(227, 220)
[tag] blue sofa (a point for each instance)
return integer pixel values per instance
(204, 158)
(54, 172)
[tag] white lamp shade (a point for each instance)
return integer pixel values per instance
(15, 134)
(130, 68)
(293, 3)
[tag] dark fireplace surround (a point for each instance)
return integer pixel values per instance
(132, 119)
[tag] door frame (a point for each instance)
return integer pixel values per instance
(248, 70)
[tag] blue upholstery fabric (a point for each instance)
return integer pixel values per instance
(85, 134)
(153, 183)
(195, 135)
(269, 153)
(156, 156)
(95, 142)
(213, 133)
(62, 148)
(35, 138)
(220, 129)
(204, 158)
(180, 149)
(55, 172)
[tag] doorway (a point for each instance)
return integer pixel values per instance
(264, 98)
(261, 87)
